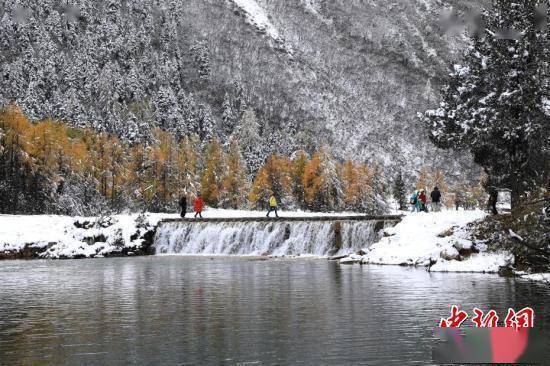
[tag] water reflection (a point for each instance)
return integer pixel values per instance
(198, 310)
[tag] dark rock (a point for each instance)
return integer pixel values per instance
(29, 251)
(361, 252)
(148, 241)
(105, 222)
(506, 272)
(337, 229)
(145, 247)
(337, 258)
(446, 233)
(84, 224)
(450, 254)
(91, 240)
(432, 262)
(347, 262)
(465, 253)
(287, 233)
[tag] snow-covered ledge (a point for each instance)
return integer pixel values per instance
(51, 236)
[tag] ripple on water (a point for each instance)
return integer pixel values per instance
(195, 310)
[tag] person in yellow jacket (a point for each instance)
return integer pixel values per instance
(272, 206)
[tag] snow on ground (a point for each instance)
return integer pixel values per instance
(17, 230)
(416, 241)
(257, 16)
(64, 239)
(539, 277)
(481, 262)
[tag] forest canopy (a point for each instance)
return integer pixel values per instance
(48, 167)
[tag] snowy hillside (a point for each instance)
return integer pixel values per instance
(258, 18)
(314, 72)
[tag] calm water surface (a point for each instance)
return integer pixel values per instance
(182, 310)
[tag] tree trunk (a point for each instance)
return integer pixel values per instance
(493, 199)
(514, 198)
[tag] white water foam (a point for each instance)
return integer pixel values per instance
(258, 238)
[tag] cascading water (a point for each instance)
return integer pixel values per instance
(320, 238)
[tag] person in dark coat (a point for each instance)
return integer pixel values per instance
(183, 206)
(199, 204)
(436, 199)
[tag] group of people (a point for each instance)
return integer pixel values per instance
(198, 205)
(419, 200)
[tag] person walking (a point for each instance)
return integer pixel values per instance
(199, 204)
(414, 201)
(272, 206)
(183, 206)
(436, 199)
(421, 201)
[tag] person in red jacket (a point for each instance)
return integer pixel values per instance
(199, 204)
(422, 199)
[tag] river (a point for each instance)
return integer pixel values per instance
(199, 310)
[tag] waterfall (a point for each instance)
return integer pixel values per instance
(320, 238)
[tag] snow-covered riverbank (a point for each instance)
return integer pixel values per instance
(438, 240)
(51, 236)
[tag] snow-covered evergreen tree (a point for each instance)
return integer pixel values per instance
(228, 116)
(494, 102)
(247, 135)
(168, 112)
(201, 56)
(189, 112)
(399, 192)
(188, 166)
(207, 125)
(332, 187)
(380, 191)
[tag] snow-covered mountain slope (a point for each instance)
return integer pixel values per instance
(348, 73)
(258, 18)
